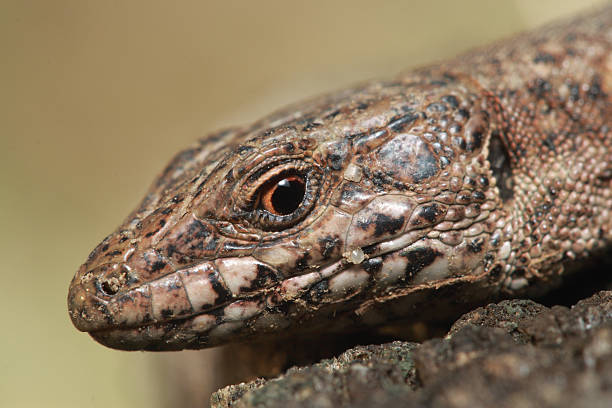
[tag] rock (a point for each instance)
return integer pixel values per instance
(516, 353)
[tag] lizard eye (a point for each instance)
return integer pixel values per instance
(277, 197)
(282, 195)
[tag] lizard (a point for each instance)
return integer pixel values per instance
(485, 176)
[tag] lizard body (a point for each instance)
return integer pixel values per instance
(488, 175)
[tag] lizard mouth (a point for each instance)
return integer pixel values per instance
(223, 300)
(191, 332)
(188, 308)
(196, 307)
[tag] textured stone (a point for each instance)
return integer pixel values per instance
(516, 353)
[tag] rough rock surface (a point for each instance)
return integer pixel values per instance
(515, 353)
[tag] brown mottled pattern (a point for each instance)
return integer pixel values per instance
(487, 176)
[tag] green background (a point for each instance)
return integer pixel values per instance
(95, 97)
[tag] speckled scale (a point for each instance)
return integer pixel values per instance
(439, 189)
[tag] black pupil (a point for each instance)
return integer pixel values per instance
(288, 195)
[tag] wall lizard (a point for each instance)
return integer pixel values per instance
(486, 176)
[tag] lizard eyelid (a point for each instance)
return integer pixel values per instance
(282, 196)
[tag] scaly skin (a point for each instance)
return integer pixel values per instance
(483, 177)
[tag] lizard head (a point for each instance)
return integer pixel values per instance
(311, 218)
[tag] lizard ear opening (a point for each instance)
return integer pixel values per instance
(500, 166)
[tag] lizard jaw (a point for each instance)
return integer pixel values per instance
(191, 308)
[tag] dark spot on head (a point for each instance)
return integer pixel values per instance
(222, 293)
(606, 174)
(478, 196)
(243, 149)
(364, 142)
(348, 192)
(335, 161)
(198, 230)
(157, 265)
(540, 87)
(327, 245)
(302, 263)
(229, 177)
(418, 259)
(574, 92)
(317, 291)
(595, 91)
(310, 126)
(332, 114)
(463, 198)
(450, 76)
(463, 113)
(475, 245)
(387, 225)
(399, 186)
(290, 147)
(372, 265)
(200, 188)
(436, 107)
(430, 212)
(451, 100)
(519, 273)
(455, 128)
(544, 58)
(400, 123)
(474, 138)
(167, 313)
(171, 250)
(459, 142)
(355, 136)
(380, 179)
(265, 277)
(370, 249)
(495, 272)
(218, 313)
(438, 82)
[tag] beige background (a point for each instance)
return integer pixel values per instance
(95, 96)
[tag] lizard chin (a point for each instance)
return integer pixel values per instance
(152, 337)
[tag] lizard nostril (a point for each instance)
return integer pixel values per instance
(109, 287)
(114, 281)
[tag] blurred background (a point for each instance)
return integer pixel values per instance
(96, 96)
